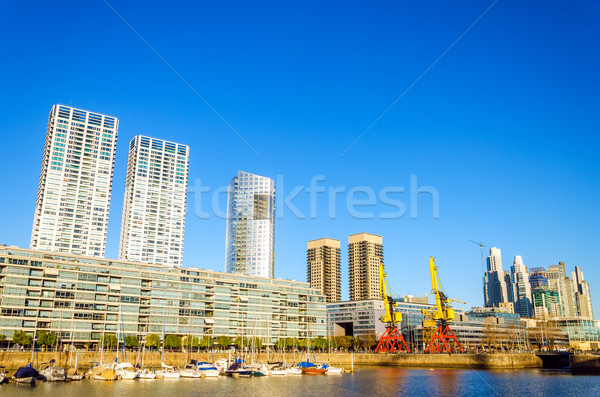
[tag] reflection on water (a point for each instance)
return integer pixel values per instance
(374, 381)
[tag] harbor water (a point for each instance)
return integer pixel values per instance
(368, 381)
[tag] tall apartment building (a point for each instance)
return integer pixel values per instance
(73, 198)
(558, 281)
(497, 286)
(521, 288)
(545, 303)
(324, 269)
(250, 234)
(365, 254)
(538, 277)
(153, 220)
(583, 298)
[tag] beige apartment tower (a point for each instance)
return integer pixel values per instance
(323, 267)
(365, 254)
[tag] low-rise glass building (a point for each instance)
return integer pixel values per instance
(82, 297)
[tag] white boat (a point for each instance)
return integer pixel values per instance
(222, 364)
(126, 371)
(103, 372)
(294, 371)
(53, 374)
(3, 374)
(147, 374)
(277, 371)
(190, 371)
(334, 371)
(207, 369)
(168, 372)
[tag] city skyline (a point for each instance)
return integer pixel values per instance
(511, 156)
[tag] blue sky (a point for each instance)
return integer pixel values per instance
(505, 126)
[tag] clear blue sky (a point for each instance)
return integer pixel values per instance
(505, 126)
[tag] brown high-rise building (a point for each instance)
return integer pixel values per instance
(323, 267)
(365, 254)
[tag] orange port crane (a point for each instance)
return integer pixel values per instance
(443, 340)
(391, 340)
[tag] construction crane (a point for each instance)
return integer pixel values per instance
(482, 247)
(443, 340)
(391, 340)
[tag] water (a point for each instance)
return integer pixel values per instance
(372, 381)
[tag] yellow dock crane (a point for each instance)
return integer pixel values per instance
(391, 340)
(443, 340)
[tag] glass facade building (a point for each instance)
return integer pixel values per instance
(81, 297)
(153, 220)
(73, 198)
(250, 234)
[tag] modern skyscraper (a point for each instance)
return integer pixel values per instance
(323, 268)
(545, 303)
(250, 236)
(558, 281)
(365, 254)
(583, 298)
(521, 287)
(538, 277)
(73, 198)
(495, 288)
(153, 220)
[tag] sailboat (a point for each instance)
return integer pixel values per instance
(25, 374)
(52, 373)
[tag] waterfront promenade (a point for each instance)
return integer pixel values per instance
(406, 360)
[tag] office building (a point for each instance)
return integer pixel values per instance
(497, 287)
(365, 254)
(81, 298)
(538, 277)
(546, 303)
(250, 235)
(521, 287)
(558, 281)
(323, 268)
(153, 220)
(583, 298)
(73, 198)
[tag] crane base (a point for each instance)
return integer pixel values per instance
(444, 341)
(391, 341)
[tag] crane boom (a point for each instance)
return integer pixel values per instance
(391, 340)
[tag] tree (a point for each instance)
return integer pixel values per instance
(110, 341)
(131, 341)
(88, 345)
(240, 342)
(224, 341)
(368, 340)
(173, 341)
(152, 341)
(22, 338)
(46, 338)
(206, 342)
(319, 343)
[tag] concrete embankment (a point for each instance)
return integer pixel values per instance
(585, 364)
(407, 360)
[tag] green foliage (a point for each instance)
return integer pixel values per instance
(131, 341)
(256, 343)
(206, 342)
(173, 341)
(22, 338)
(88, 345)
(110, 341)
(46, 338)
(319, 343)
(152, 341)
(241, 342)
(224, 341)
(2, 338)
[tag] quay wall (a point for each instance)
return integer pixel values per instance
(408, 360)
(585, 364)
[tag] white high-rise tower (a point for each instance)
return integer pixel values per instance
(250, 235)
(71, 212)
(154, 204)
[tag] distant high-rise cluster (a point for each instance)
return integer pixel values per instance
(537, 292)
(71, 212)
